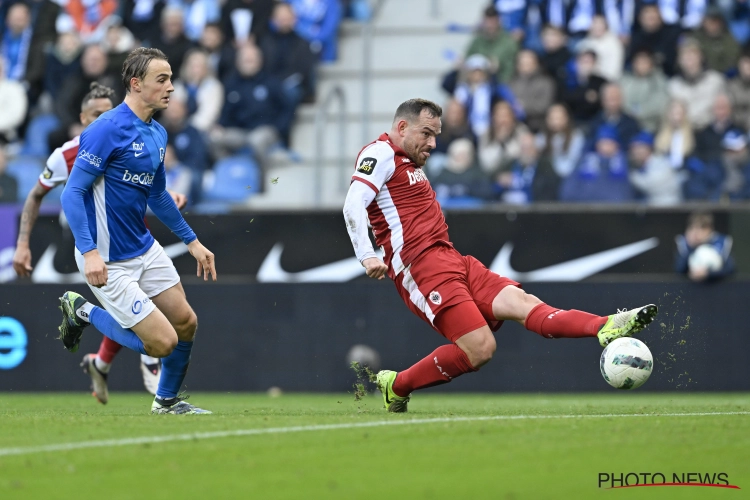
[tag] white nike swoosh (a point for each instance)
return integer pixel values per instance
(336, 272)
(137, 154)
(572, 270)
(45, 272)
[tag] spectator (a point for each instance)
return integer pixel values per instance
(461, 180)
(62, 61)
(513, 15)
(117, 44)
(719, 47)
(14, 105)
(700, 232)
(736, 162)
(318, 23)
(288, 56)
(610, 53)
(179, 177)
(695, 84)
(644, 91)
(581, 90)
(189, 146)
(530, 177)
(602, 175)
(143, 19)
(200, 89)
(8, 184)
(708, 140)
(172, 40)
(499, 146)
(653, 35)
(534, 90)
(555, 55)
(675, 138)
(16, 42)
(495, 44)
(246, 20)
(739, 92)
(613, 114)
(562, 142)
(651, 174)
(255, 112)
(198, 14)
(90, 18)
(221, 55)
(455, 126)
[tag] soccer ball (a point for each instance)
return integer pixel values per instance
(706, 257)
(626, 363)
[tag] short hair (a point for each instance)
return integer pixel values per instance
(701, 219)
(136, 64)
(98, 91)
(411, 109)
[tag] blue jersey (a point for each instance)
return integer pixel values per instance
(126, 155)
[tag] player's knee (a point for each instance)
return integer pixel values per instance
(187, 326)
(163, 346)
(480, 351)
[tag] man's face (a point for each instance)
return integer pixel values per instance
(650, 19)
(639, 153)
(612, 99)
(585, 64)
(211, 38)
(642, 64)
(94, 61)
(249, 61)
(156, 85)
(92, 109)
(174, 116)
(419, 137)
(607, 147)
(18, 18)
(690, 60)
(722, 109)
(284, 18)
(491, 25)
(697, 234)
(172, 25)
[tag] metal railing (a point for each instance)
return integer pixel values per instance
(321, 122)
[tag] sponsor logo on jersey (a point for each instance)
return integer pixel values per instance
(47, 174)
(435, 297)
(367, 165)
(138, 147)
(90, 157)
(144, 179)
(138, 305)
(417, 176)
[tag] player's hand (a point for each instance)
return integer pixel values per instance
(206, 261)
(22, 261)
(375, 268)
(95, 269)
(698, 273)
(179, 199)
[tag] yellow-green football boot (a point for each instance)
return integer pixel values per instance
(393, 402)
(626, 323)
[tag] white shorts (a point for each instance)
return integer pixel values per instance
(132, 283)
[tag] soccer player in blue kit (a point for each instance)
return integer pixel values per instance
(118, 172)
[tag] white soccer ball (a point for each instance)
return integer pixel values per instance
(626, 363)
(706, 257)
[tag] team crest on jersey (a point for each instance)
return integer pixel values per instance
(47, 174)
(367, 165)
(435, 298)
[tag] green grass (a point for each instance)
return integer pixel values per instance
(558, 458)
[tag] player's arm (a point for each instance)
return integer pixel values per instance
(29, 214)
(179, 199)
(374, 168)
(163, 206)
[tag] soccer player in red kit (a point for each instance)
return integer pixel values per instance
(457, 295)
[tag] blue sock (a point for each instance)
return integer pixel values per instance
(105, 323)
(173, 370)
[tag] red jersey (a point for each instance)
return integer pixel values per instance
(59, 164)
(405, 215)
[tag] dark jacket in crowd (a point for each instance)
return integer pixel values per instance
(253, 102)
(625, 125)
(288, 57)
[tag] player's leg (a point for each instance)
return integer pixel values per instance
(97, 366)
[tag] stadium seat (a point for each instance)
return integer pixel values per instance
(26, 170)
(36, 135)
(235, 179)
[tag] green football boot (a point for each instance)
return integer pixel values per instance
(72, 326)
(393, 402)
(626, 323)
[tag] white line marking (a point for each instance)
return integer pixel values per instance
(328, 427)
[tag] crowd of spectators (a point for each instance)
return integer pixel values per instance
(241, 68)
(599, 101)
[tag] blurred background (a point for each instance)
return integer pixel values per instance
(595, 150)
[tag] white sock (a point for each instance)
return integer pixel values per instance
(84, 311)
(101, 365)
(148, 360)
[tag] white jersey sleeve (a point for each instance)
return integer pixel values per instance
(375, 165)
(55, 171)
(358, 198)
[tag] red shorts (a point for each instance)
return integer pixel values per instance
(441, 279)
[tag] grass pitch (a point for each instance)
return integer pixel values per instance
(330, 446)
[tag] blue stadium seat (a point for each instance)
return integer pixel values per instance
(36, 135)
(235, 179)
(26, 170)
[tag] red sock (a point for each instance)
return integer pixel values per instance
(108, 349)
(556, 323)
(443, 365)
